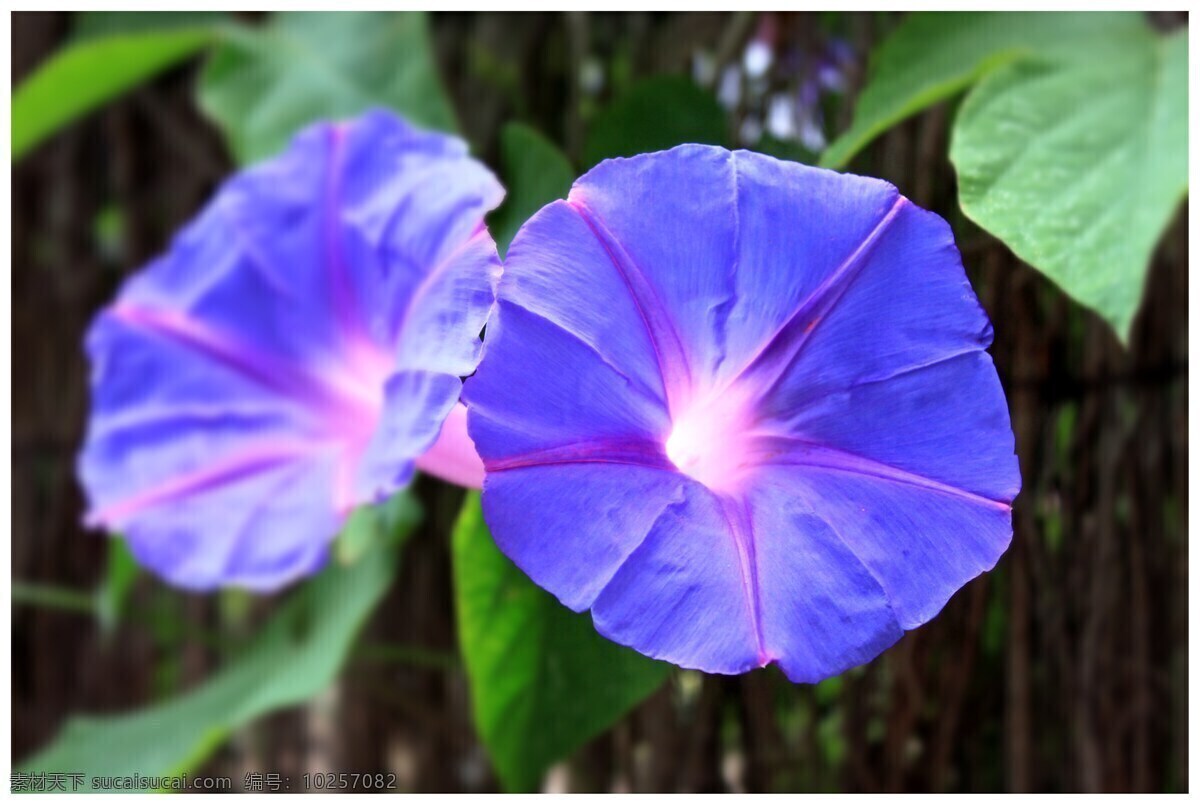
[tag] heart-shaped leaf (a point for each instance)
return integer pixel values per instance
(1078, 165)
(933, 56)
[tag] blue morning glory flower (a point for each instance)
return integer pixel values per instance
(741, 410)
(294, 354)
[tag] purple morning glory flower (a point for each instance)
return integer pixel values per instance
(293, 354)
(741, 409)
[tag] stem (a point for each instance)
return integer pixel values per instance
(47, 595)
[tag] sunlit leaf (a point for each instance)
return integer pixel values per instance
(1079, 166)
(543, 681)
(264, 84)
(935, 55)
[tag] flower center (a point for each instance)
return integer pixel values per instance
(711, 440)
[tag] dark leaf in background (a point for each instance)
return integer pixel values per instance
(653, 115)
(789, 150)
(264, 84)
(543, 681)
(534, 172)
(93, 24)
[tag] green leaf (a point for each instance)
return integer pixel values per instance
(296, 655)
(1078, 166)
(933, 56)
(85, 75)
(535, 173)
(543, 681)
(264, 84)
(655, 114)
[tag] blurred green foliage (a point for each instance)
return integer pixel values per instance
(95, 24)
(89, 73)
(263, 84)
(297, 654)
(370, 525)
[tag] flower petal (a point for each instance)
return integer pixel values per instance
(261, 529)
(797, 227)
(453, 456)
(569, 277)
(686, 594)
(823, 612)
(670, 227)
(946, 422)
(570, 526)
(549, 388)
(921, 544)
(852, 329)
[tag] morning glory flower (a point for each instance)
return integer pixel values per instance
(741, 410)
(293, 355)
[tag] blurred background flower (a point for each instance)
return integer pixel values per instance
(294, 354)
